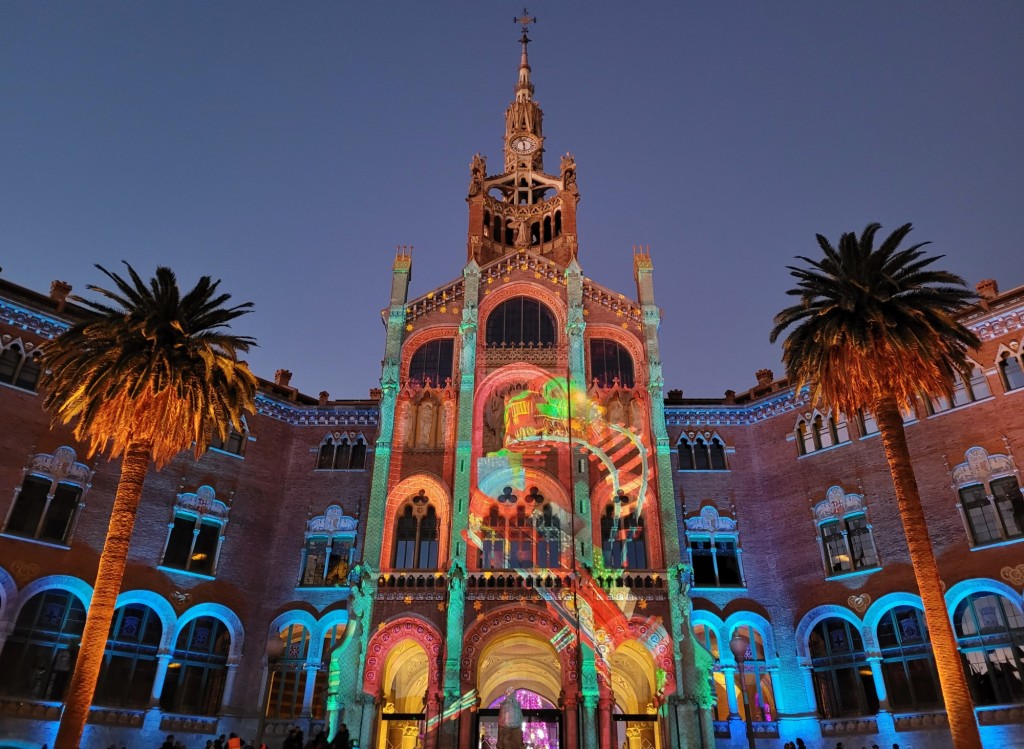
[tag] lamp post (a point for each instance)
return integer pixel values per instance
(275, 649)
(739, 644)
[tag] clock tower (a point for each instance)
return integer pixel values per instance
(523, 207)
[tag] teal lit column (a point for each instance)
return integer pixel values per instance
(579, 470)
(452, 684)
(347, 662)
(685, 724)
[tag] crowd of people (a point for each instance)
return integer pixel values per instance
(294, 740)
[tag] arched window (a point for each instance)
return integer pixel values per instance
(520, 540)
(330, 539)
(288, 674)
(610, 362)
(46, 504)
(417, 535)
(990, 633)
(549, 539)
(521, 321)
(757, 680)
(706, 636)
(846, 537)
(19, 370)
(816, 432)
(233, 443)
(196, 533)
(908, 666)
(702, 453)
(991, 503)
(843, 684)
(622, 536)
(196, 674)
(39, 655)
(129, 663)
(332, 639)
(433, 362)
(341, 452)
(1010, 371)
(492, 550)
(964, 392)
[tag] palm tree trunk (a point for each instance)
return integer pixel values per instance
(104, 596)
(959, 709)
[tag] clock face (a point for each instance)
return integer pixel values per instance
(523, 144)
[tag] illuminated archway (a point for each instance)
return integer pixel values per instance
(635, 689)
(521, 658)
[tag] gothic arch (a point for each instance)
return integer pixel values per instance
(391, 633)
(553, 302)
(818, 614)
(434, 489)
(879, 608)
(964, 588)
(226, 616)
(507, 619)
(420, 337)
(657, 642)
(758, 622)
(8, 595)
(79, 588)
(625, 339)
(160, 606)
(338, 617)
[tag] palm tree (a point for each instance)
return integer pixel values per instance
(873, 329)
(142, 379)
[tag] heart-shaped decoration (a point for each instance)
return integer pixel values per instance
(860, 602)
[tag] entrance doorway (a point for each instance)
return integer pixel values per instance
(542, 723)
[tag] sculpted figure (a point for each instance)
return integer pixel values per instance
(477, 172)
(510, 722)
(424, 423)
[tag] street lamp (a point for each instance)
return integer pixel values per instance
(739, 645)
(274, 650)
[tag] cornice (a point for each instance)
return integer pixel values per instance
(30, 320)
(744, 415)
(314, 415)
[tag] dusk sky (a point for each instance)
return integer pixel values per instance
(286, 148)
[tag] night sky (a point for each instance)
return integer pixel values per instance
(286, 148)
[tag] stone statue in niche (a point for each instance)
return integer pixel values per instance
(510, 722)
(636, 415)
(425, 423)
(616, 413)
(407, 418)
(569, 174)
(494, 423)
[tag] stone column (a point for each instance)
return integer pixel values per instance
(311, 669)
(163, 660)
(432, 716)
(229, 686)
(729, 672)
(875, 661)
(589, 721)
(570, 711)
(812, 699)
(604, 712)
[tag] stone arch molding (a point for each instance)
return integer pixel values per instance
(317, 629)
(758, 622)
(8, 595)
(160, 606)
(228, 617)
(390, 634)
(819, 614)
(957, 593)
(79, 588)
(512, 619)
(553, 302)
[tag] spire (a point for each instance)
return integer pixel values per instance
(524, 141)
(524, 89)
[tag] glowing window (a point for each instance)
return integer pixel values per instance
(288, 676)
(843, 684)
(433, 362)
(39, 655)
(990, 632)
(195, 677)
(610, 362)
(129, 662)
(521, 321)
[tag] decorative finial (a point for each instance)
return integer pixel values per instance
(525, 20)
